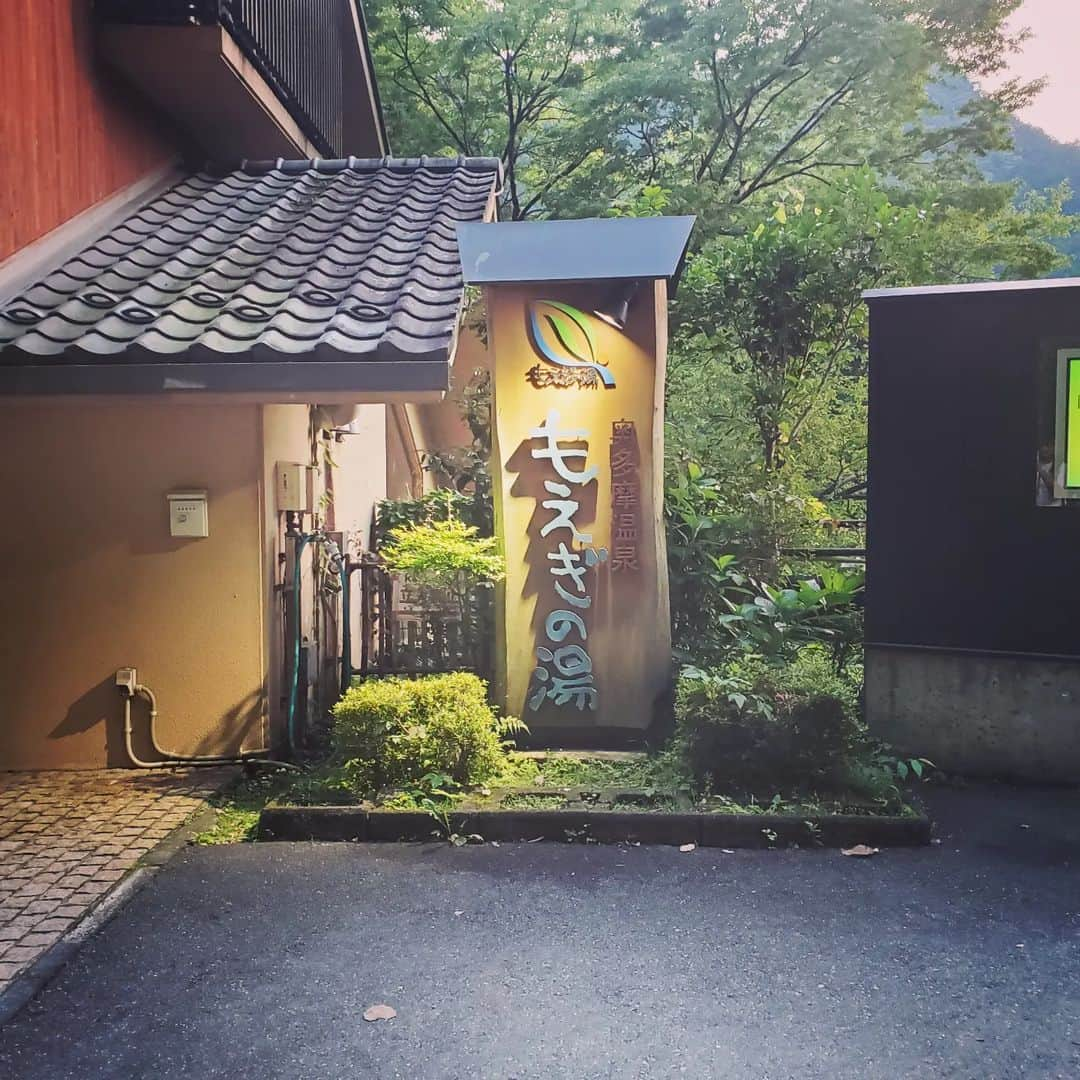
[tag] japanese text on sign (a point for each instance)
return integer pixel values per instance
(625, 497)
(564, 671)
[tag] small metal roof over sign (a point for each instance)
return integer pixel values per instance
(588, 249)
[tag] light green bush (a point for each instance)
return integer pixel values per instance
(446, 555)
(393, 731)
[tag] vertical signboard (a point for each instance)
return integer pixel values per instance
(584, 634)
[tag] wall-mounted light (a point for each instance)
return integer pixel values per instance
(616, 306)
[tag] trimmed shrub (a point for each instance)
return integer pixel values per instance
(391, 731)
(751, 725)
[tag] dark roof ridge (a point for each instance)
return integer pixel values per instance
(291, 166)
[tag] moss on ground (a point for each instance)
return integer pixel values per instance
(659, 786)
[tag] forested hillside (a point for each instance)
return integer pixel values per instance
(1039, 161)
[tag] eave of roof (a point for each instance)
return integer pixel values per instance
(276, 276)
(973, 288)
(583, 249)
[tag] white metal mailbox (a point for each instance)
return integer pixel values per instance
(187, 514)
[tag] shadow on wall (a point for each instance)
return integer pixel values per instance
(104, 704)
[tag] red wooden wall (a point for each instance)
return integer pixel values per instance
(70, 134)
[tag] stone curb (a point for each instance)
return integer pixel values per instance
(348, 823)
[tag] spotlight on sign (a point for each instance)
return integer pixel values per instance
(615, 309)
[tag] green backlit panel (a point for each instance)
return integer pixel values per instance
(1072, 423)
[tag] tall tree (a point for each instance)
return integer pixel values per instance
(767, 384)
(718, 101)
(513, 79)
(733, 98)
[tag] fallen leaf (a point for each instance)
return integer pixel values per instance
(474, 838)
(379, 1012)
(534, 840)
(1025, 826)
(860, 850)
(459, 912)
(727, 851)
(494, 843)
(688, 847)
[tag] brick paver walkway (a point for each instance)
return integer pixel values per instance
(67, 838)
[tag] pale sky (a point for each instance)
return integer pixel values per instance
(1054, 51)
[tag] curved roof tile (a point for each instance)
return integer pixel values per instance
(342, 260)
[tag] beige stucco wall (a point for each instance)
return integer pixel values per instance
(438, 425)
(360, 475)
(92, 580)
(404, 477)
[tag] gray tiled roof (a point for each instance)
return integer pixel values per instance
(350, 260)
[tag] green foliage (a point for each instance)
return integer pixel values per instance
(237, 807)
(435, 794)
(394, 731)
(750, 724)
(767, 386)
(778, 622)
(467, 469)
(232, 825)
(708, 519)
(511, 79)
(651, 201)
(718, 609)
(699, 540)
(445, 555)
(879, 774)
(448, 560)
(719, 103)
(581, 771)
(442, 505)
(820, 148)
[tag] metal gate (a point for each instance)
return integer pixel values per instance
(401, 629)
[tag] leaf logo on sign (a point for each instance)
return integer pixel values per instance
(560, 334)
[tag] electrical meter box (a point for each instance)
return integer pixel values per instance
(187, 514)
(293, 484)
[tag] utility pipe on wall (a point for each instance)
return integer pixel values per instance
(131, 690)
(338, 564)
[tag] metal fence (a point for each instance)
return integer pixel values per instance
(300, 47)
(406, 630)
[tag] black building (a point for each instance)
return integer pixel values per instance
(973, 593)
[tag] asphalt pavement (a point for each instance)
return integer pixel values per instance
(563, 961)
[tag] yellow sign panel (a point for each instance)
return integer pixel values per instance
(1072, 422)
(584, 634)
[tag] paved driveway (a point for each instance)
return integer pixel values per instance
(548, 961)
(67, 839)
